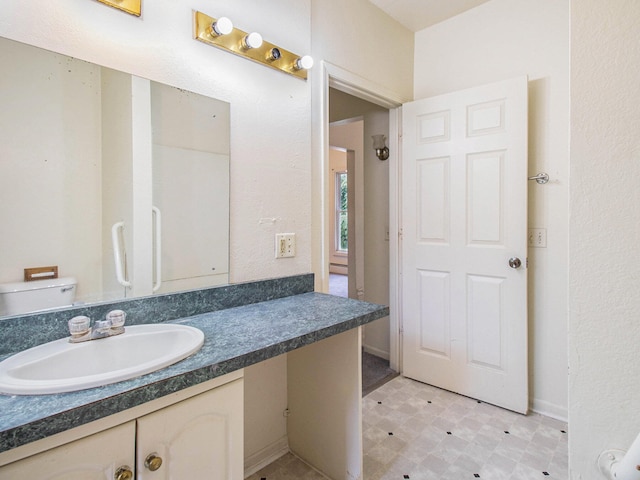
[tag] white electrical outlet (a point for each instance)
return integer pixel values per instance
(538, 237)
(285, 245)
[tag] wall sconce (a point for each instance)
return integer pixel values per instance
(382, 151)
(618, 465)
(222, 34)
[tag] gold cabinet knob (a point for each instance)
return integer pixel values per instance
(123, 473)
(153, 462)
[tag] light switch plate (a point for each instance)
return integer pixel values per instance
(537, 237)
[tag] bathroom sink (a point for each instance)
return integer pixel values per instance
(61, 366)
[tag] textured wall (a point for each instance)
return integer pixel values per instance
(604, 388)
(362, 39)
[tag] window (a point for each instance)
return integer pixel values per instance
(342, 233)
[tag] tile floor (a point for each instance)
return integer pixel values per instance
(418, 432)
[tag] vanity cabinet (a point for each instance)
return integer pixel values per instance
(200, 437)
(96, 457)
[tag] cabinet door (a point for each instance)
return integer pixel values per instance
(198, 438)
(96, 457)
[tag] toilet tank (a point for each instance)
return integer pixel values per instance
(23, 297)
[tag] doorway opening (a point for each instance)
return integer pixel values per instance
(359, 221)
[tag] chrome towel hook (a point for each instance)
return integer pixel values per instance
(541, 178)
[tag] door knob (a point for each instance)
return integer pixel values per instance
(153, 462)
(514, 262)
(123, 473)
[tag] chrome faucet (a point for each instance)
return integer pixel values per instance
(82, 331)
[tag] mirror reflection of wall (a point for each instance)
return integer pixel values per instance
(82, 147)
(191, 186)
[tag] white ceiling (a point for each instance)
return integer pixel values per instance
(419, 14)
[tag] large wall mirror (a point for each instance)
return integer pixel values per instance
(102, 172)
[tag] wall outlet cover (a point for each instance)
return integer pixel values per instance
(285, 245)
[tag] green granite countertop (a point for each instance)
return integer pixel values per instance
(234, 338)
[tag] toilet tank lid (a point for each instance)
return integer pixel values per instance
(37, 284)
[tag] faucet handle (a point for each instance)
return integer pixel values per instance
(79, 326)
(116, 318)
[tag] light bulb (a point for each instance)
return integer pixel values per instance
(378, 141)
(252, 40)
(304, 63)
(273, 54)
(222, 26)
(382, 151)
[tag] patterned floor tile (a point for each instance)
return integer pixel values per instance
(418, 432)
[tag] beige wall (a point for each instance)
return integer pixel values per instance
(604, 286)
(359, 37)
(504, 39)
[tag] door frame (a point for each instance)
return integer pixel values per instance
(328, 75)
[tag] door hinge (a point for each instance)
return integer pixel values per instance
(526, 262)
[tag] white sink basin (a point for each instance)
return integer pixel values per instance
(61, 366)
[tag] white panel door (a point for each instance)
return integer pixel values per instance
(464, 216)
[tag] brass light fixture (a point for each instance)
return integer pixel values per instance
(132, 7)
(222, 34)
(382, 151)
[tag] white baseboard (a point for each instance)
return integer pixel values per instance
(550, 410)
(376, 352)
(266, 456)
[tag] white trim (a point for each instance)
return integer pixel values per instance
(361, 87)
(548, 409)
(266, 456)
(319, 182)
(395, 245)
(329, 75)
(346, 121)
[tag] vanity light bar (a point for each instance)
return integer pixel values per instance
(241, 43)
(132, 7)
